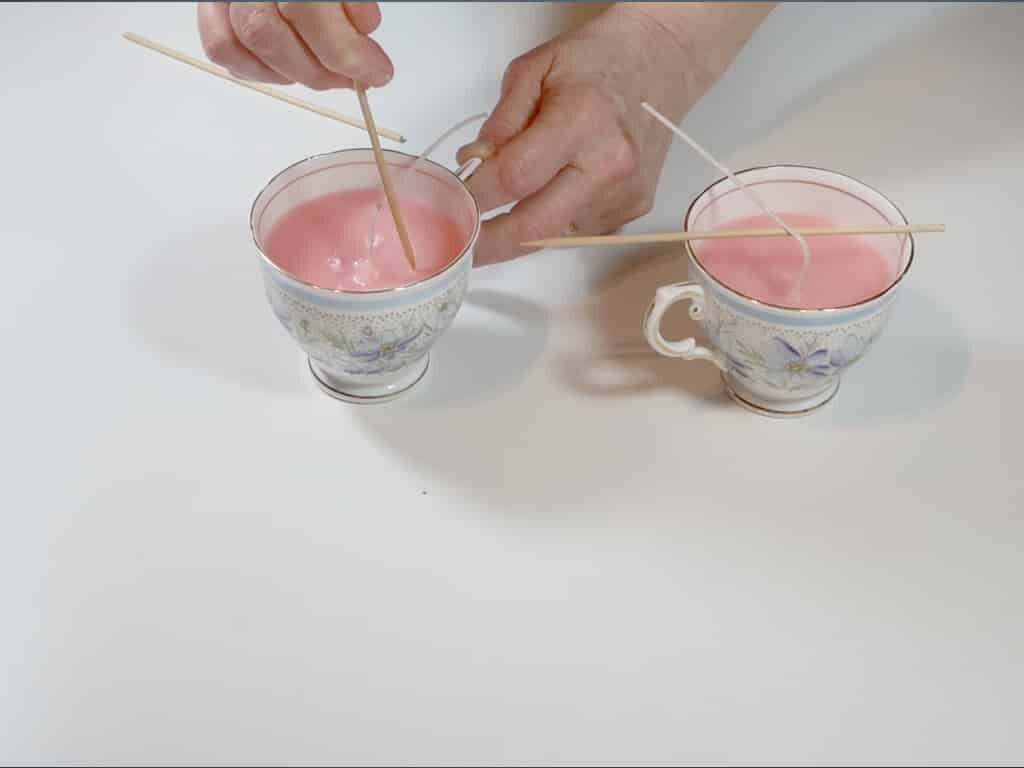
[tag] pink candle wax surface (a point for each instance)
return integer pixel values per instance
(326, 241)
(842, 270)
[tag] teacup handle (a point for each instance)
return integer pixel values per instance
(687, 349)
(478, 152)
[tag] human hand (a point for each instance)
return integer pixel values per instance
(572, 145)
(321, 45)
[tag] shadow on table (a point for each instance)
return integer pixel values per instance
(919, 364)
(466, 423)
(538, 452)
(199, 301)
(473, 361)
(620, 363)
(534, 445)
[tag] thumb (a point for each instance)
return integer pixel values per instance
(478, 149)
(521, 90)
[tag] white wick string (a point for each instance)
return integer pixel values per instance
(805, 251)
(412, 164)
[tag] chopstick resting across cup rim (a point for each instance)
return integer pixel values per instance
(715, 234)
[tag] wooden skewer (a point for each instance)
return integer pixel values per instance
(385, 177)
(258, 87)
(715, 234)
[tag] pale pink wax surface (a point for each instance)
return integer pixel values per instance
(842, 269)
(326, 241)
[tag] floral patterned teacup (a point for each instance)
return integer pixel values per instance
(366, 346)
(775, 360)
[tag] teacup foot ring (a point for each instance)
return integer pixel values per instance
(802, 408)
(388, 394)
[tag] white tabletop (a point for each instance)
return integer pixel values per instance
(561, 547)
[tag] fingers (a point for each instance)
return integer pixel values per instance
(336, 43)
(555, 216)
(507, 178)
(365, 17)
(479, 149)
(224, 48)
(557, 135)
(573, 166)
(549, 213)
(594, 195)
(265, 34)
(616, 206)
(521, 90)
(319, 44)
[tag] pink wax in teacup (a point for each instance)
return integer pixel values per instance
(340, 241)
(782, 356)
(842, 269)
(335, 273)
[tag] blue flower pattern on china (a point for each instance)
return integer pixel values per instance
(782, 360)
(382, 344)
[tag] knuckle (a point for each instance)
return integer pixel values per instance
(499, 126)
(622, 158)
(646, 204)
(256, 29)
(291, 11)
(516, 69)
(523, 69)
(643, 205)
(537, 228)
(514, 176)
(637, 203)
(591, 105)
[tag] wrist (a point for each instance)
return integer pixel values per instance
(695, 42)
(667, 63)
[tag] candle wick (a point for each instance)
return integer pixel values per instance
(708, 157)
(404, 173)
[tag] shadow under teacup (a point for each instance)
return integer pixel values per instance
(777, 360)
(367, 346)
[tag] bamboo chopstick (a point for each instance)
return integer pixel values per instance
(385, 178)
(714, 234)
(258, 87)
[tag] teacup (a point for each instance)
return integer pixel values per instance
(367, 346)
(776, 360)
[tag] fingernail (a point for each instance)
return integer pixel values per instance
(380, 79)
(480, 149)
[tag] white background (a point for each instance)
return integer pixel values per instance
(561, 547)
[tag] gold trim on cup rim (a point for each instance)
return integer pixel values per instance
(696, 262)
(335, 291)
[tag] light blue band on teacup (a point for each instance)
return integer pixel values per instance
(376, 301)
(795, 318)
